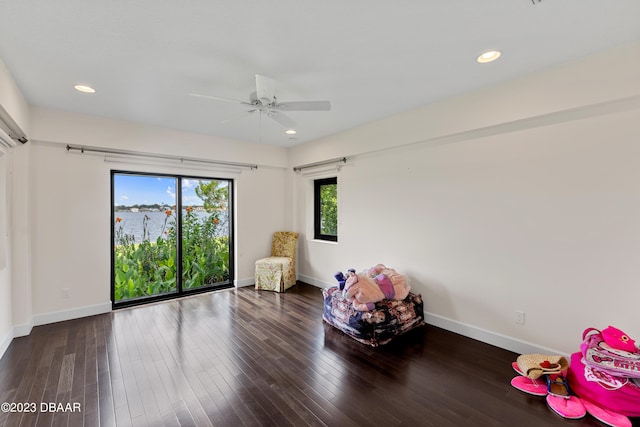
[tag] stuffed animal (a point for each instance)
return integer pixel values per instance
(341, 277)
(373, 285)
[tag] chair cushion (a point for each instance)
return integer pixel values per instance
(274, 274)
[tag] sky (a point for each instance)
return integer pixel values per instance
(132, 190)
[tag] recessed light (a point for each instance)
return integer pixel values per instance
(84, 88)
(290, 132)
(488, 56)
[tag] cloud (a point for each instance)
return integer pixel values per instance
(123, 197)
(190, 183)
(171, 193)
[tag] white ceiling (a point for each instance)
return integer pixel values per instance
(370, 58)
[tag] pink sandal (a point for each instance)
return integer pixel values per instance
(516, 368)
(605, 416)
(527, 385)
(570, 407)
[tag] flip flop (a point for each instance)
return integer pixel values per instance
(516, 368)
(527, 385)
(605, 416)
(570, 408)
(557, 386)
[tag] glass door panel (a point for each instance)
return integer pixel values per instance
(206, 233)
(144, 236)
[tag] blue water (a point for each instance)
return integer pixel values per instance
(132, 223)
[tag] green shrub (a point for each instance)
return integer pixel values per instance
(149, 268)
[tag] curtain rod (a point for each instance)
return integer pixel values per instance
(324, 162)
(158, 156)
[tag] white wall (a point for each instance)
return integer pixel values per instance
(523, 197)
(13, 103)
(69, 199)
(20, 208)
(519, 197)
(6, 313)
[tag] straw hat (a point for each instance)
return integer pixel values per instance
(536, 365)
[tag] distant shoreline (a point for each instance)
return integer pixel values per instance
(135, 224)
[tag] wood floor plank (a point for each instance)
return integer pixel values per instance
(242, 357)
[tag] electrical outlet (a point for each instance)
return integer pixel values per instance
(66, 293)
(520, 317)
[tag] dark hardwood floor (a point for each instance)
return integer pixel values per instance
(256, 358)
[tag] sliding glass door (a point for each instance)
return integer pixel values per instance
(171, 235)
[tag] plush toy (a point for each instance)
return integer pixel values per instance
(342, 279)
(373, 285)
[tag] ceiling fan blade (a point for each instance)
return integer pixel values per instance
(217, 98)
(265, 89)
(238, 116)
(281, 118)
(304, 106)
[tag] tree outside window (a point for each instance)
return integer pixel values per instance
(326, 209)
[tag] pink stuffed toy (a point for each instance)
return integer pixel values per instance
(373, 285)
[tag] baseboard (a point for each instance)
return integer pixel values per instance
(315, 282)
(241, 283)
(6, 341)
(499, 340)
(301, 277)
(22, 330)
(502, 341)
(76, 313)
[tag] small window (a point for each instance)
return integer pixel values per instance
(325, 208)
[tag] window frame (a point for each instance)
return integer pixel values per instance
(179, 207)
(317, 213)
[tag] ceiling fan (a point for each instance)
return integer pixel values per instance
(264, 100)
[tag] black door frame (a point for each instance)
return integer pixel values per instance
(180, 292)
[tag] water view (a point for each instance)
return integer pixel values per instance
(146, 228)
(133, 223)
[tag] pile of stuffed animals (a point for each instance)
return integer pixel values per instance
(366, 288)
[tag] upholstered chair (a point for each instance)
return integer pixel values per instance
(278, 272)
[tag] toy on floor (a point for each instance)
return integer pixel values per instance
(341, 278)
(559, 397)
(388, 320)
(370, 286)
